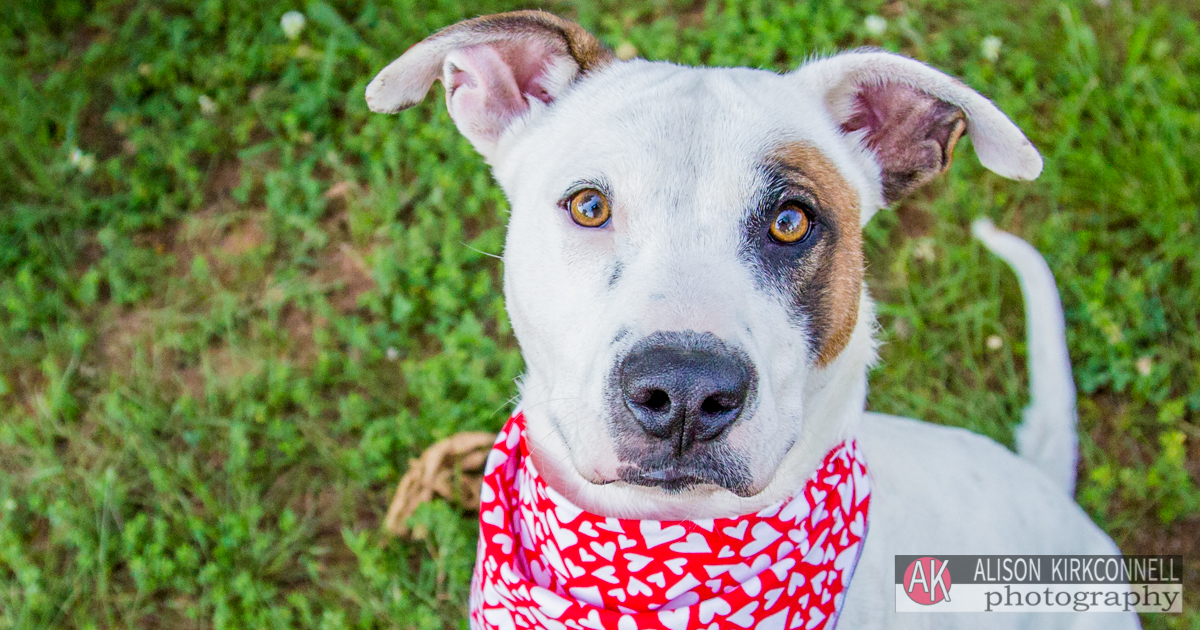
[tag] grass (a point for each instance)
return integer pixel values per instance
(234, 303)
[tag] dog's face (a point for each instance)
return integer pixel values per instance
(668, 341)
(683, 267)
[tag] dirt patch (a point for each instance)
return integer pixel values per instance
(223, 179)
(120, 338)
(347, 273)
(243, 238)
(197, 233)
(894, 10)
(1179, 538)
(1105, 416)
(229, 364)
(339, 190)
(300, 326)
(1102, 416)
(226, 237)
(221, 365)
(95, 135)
(191, 382)
(693, 16)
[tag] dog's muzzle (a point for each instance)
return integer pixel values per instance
(680, 393)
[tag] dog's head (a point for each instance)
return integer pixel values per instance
(684, 266)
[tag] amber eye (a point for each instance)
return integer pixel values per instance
(791, 225)
(589, 208)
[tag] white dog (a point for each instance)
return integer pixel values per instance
(684, 273)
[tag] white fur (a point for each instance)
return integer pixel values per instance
(663, 137)
(1047, 435)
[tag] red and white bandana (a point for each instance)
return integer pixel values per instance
(544, 563)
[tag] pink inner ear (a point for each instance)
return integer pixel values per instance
(911, 133)
(867, 114)
(487, 84)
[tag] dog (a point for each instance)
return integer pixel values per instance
(684, 274)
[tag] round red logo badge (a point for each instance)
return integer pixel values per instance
(927, 581)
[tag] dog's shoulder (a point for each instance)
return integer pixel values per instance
(962, 490)
(939, 490)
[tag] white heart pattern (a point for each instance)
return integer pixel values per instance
(737, 531)
(676, 565)
(654, 534)
(607, 550)
(647, 574)
(675, 619)
(637, 562)
(695, 543)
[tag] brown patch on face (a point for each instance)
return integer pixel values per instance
(838, 272)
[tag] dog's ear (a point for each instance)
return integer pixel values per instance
(909, 116)
(494, 69)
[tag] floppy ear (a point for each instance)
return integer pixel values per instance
(909, 116)
(493, 67)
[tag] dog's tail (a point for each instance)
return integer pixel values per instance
(1047, 435)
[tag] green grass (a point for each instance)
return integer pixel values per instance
(221, 344)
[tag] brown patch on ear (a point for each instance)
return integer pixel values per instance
(839, 272)
(582, 46)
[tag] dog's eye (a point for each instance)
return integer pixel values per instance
(791, 224)
(589, 208)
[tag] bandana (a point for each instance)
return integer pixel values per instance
(545, 563)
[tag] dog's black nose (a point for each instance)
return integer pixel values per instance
(685, 386)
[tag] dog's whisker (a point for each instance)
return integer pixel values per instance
(480, 251)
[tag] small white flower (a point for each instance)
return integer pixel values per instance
(292, 23)
(875, 25)
(990, 47)
(924, 250)
(84, 162)
(9, 505)
(626, 51)
(1144, 366)
(208, 107)
(994, 342)
(392, 354)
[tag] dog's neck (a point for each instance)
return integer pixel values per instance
(835, 399)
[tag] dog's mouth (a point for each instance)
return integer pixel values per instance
(677, 479)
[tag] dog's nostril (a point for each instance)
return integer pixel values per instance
(713, 405)
(658, 400)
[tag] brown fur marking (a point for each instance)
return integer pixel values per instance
(844, 264)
